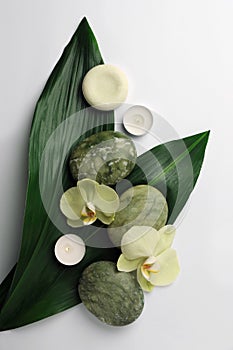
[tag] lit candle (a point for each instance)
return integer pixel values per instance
(138, 120)
(70, 249)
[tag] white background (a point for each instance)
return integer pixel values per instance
(178, 56)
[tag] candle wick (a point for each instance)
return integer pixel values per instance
(67, 249)
(139, 119)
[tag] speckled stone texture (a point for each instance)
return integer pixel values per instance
(142, 205)
(106, 157)
(113, 297)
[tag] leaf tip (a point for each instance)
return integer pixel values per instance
(207, 134)
(85, 24)
(84, 20)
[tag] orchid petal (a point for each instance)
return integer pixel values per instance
(105, 219)
(106, 199)
(75, 223)
(169, 268)
(139, 241)
(126, 265)
(71, 204)
(167, 234)
(87, 188)
(144, 284)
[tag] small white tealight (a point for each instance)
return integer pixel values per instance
(105, 87)
(69, 249)
(138, 120)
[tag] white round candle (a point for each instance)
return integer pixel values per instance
(105, 87)
(70, 249)
(138, 120)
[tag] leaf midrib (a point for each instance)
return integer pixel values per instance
(177, 160)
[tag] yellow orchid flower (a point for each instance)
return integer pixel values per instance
(149, 252)
(87, 202)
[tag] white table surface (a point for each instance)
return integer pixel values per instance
(178, 56)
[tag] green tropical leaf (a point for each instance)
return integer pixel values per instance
(39, 286)
(5, 286)
(173, 168)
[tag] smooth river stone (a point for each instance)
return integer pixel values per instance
(142, 205)
(113, 297)
(106, 157)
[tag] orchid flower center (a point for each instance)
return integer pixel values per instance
(149, 266)
(88, 214)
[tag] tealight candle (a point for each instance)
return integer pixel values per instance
(70, 249)
(138, 120)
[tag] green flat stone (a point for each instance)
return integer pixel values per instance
(142, 205)
(113, 297)
(106, 157)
